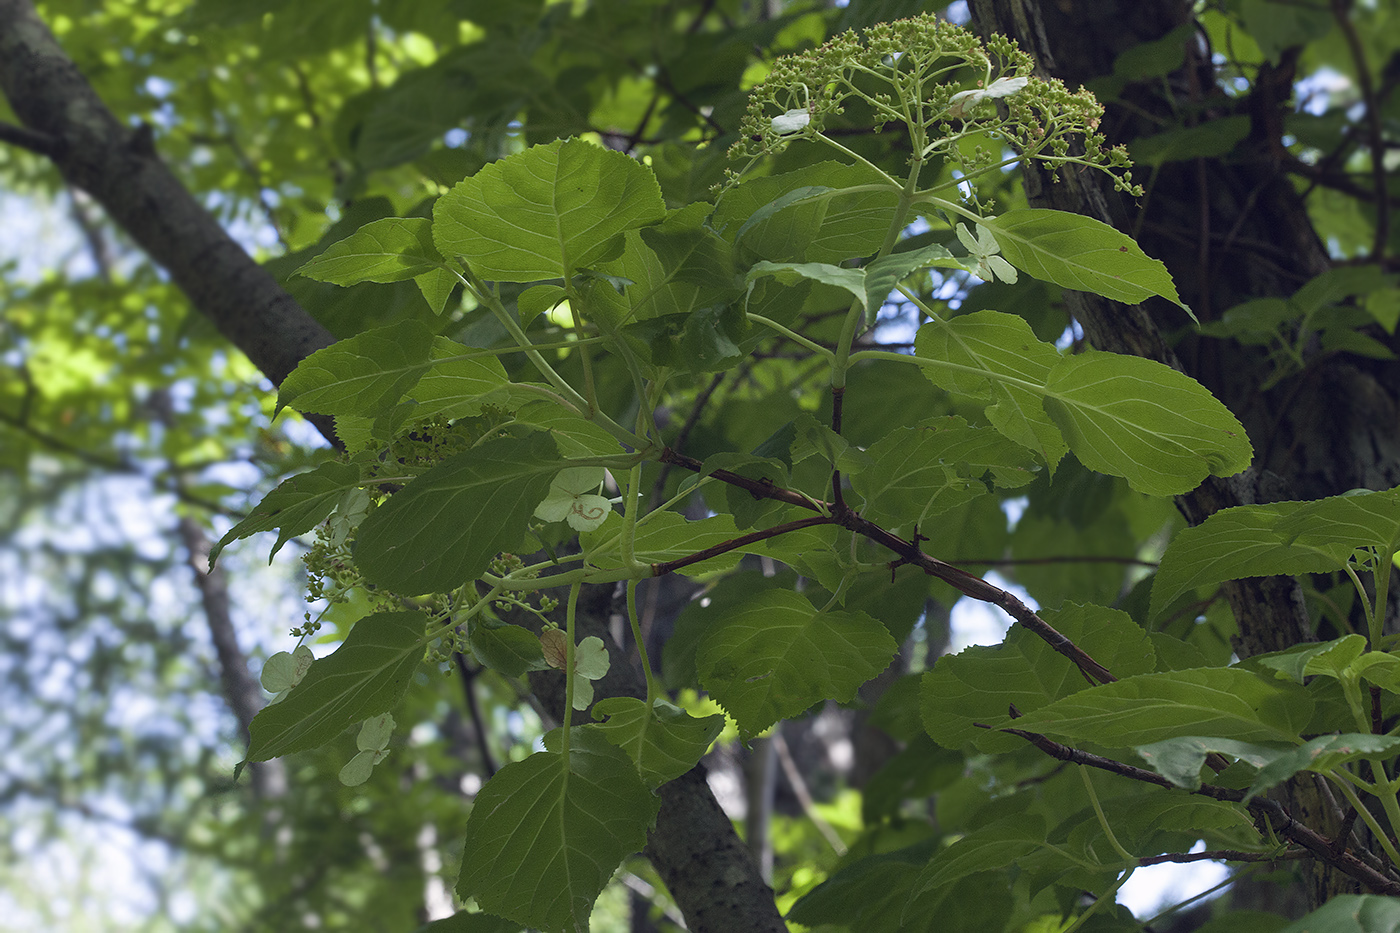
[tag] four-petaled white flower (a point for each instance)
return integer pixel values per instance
(373, 743)
(284, 671)
(573, 498)
(983, 249)
(963, 101)
(792, 121)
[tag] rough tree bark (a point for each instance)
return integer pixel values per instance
(694, 847)
(1229, 230)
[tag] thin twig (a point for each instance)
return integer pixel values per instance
(804, 796)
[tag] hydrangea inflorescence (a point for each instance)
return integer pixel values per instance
(945, 87)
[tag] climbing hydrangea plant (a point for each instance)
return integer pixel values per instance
(461, 457)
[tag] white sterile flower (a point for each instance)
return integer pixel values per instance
(963, 101)
(983, 250)
(573, 498)
(792, 121)
(284, 671)
(373, 743)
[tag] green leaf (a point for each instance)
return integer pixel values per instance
(664, 744)
(1211, 139)
(996, 356)
(546, 834)
(808, 215)
(665, 536)
(1322, 754)
(852, 280)
(775, 655)
(870, 892)
(1351, 913)
(444, 528)
(1225, 702)
(436, 286)
(454, 387)
(546, 212)
(365, 676)
(977, 685)
(507, 648)
(294, 507)
(388, 250)
(362, 375)
(922, 471)
(1180, 760)
(990, 848)
(1286, 538)
(1078, 252)
(1136, 418)
(464, 922)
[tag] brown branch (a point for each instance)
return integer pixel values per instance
(909, 553)
(1060, 559)
(1225, 855)
(39, 143)
(1322, 848)
(671, 566)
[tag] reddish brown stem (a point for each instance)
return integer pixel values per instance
(670, 566)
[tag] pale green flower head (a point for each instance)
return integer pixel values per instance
(573, 498)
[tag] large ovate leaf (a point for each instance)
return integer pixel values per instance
(296, 506)
(996, 356)
(460, 380)
(775, 655)
(546, 212)
(1082, 253)
(825, 212)
(972, 689)
(444, 527)
(1136, 418)
(546, 834)
(362, 375)
(367, 675)
(1226, 702)
(663, 744)
(942, 463)
(1279, 538)
(388, 250)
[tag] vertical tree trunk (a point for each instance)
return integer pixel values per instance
(1229, 230)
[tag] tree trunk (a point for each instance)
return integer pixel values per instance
(1229, 230)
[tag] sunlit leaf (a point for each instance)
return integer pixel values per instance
(1278, 538)
(1079, 252)
(388, 250)
(1136, 418)
(362, 375)
(295, 507)
(546, 212)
